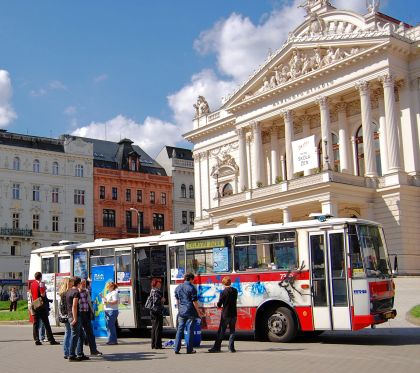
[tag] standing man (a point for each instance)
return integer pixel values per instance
(76, 343)
(41, 314)
(186, 297)
(227, 300)
(13, 297)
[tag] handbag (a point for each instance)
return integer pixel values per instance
(37, 304)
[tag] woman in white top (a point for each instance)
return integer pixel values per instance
(110, 301)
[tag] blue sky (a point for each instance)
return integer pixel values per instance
(131, 68)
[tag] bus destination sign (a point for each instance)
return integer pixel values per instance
(205, 244)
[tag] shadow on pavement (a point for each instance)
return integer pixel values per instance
(132, 356)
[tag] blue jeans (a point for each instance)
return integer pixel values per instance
(182, 321)
(41, 330)
(67, 335)
(76, 343)
(111, 325)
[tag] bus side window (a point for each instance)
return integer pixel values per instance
(177, 261)
(355, 255)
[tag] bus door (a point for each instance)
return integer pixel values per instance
(329, 281)
(150, 262)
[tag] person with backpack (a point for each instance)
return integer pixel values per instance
(154, 303)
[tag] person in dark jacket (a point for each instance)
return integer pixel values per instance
(227, 300)
(156, 313)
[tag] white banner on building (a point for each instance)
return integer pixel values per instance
(305, 156)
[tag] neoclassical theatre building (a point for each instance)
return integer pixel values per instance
(347, 86)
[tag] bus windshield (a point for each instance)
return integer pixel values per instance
(373, 251)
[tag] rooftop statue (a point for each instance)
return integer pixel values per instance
(201, 107)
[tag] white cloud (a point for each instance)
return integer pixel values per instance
(54, 85)
(100, 78)
(7, 114)
(70, 110)
(205, 83)
(241, 46)
(151, 135)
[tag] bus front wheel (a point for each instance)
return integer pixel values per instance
(281, 326)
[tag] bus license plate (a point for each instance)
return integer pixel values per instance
(388, 315)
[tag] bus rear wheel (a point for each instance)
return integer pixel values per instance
(281, 326)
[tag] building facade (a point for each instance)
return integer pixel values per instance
(132, 193)
(347, 85)
(178, 163)
(45, 197)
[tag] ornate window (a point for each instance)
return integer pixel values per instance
(191, 191)
(183, 191)
(15, 220)
(35, 222)
(108, 218)
(79, 170)
(36, 193)
(79, 225)
(227, 190)
(79, 197)
(163, 198)
(55, 168)
(158, 222)
(54, 195)
(16, 191)
(16, 163)
(35, 166)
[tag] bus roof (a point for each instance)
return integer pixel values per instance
(174, 237)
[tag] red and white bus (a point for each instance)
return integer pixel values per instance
(307, 276)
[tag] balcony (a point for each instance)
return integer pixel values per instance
(299, 183)
(16, 232)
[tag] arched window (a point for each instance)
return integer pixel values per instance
(183, 191)
(55, 168)
(35, 166)
(79, 170)
(227, 190)
(360, 153)
(335, 165)
(191, 191)
(16, 163)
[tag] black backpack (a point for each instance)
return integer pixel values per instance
(62, 314)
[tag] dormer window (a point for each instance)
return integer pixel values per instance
(133, 165)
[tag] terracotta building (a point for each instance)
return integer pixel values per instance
(131, 192)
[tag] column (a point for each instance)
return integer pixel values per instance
(197, 183)
(391, 123)
(283, 167)
(382, 131)
(275, 153)
(366, 114)
(306, 131)
(326, 138)
(286, 215)
(408, 105)
(243, 170)
(288, 138)
(343, 138)
(258, 162)
(354, 153)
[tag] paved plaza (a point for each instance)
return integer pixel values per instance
(392, 347)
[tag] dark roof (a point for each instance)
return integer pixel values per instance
(33, 142)
(113, 155)
(180, 153)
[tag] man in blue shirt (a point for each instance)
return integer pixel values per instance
(186, 296)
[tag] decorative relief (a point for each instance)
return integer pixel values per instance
(287, 115)
(225, 165)
(322, 101)
(353, 108)
(201, 107)
(301, 63)
(387, 80)
(224, 149)
(341, 106)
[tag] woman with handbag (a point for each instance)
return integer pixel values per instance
(63, 315)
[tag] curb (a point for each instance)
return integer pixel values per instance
(16, 322)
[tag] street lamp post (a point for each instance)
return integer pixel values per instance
(138, 220)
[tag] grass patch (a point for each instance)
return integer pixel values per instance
(14, 316)
(415, 311)
(21, 305)
(21, 313)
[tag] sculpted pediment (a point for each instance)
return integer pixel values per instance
(295, 64)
